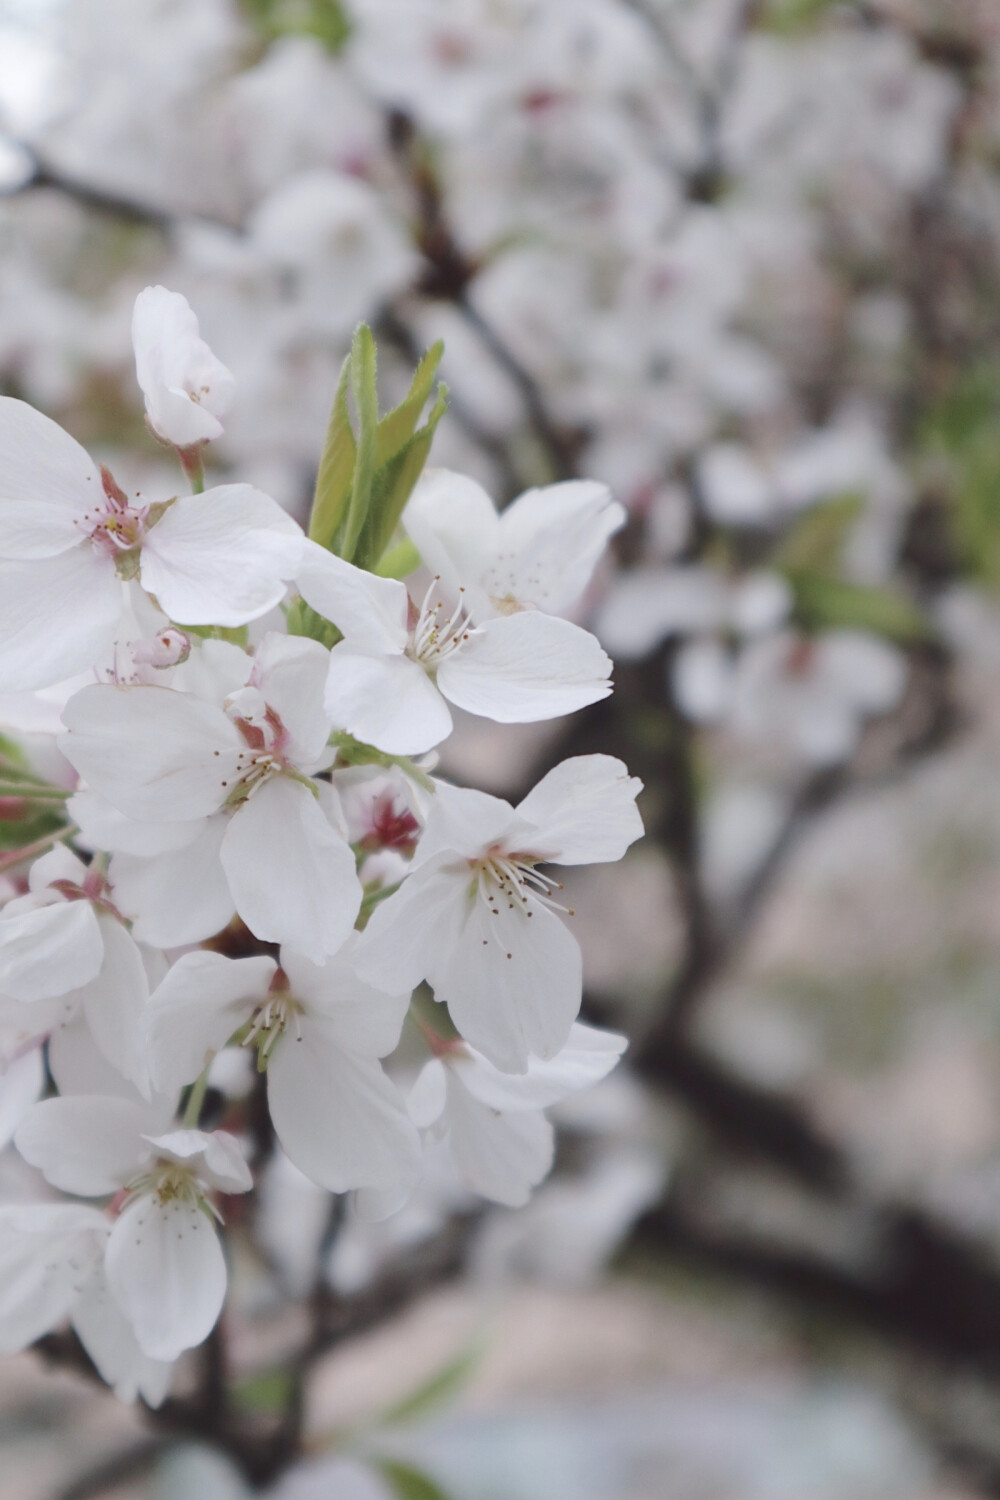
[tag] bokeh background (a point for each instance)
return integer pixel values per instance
(741, 260)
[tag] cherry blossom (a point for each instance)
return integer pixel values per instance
(500, 1142)
(477, 918)
(539, 553)
(398, 663)
(164, 1264)
(236, 777)
(70, 537)
(64, 948)
(318, 1032)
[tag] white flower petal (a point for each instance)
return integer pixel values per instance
(57, 617)
(21, 1086)
(453, 524)
(48, 951)
(584, 811)
(361, 1019)
(48, 1251)
(107, 1336)
(152, 752)
(79, 1067)
(370, 612)
(414, 927)
(386, 701)
(292, 876)
(214, 1155)
(195, 1010)
(166, 1271)
(525, 667)
(290, 672)
(114, 1003)
(513, 984)
(33, 528)
(220, 558)
(587, 1057)
(104, 827)
(428, 1097)
(337, 1115)
(85, 1144)
(181, 896)
(501, 1157)
(41, 462)
(550, 542)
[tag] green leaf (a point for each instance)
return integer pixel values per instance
(336, 468)
(409, 1483)
(302, 619)
(823, 602)
(394, 484)
(323, 19)
(364, 389)
(400, 561)
(439, 1390)
(365, 478)
(816, 540)
(398, 425)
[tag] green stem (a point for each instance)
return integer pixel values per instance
(195, 1100)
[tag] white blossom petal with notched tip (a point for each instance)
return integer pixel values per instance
(370, 612)
(48, 1252)
(551, 540)
(539, 553)
(584, 811)
(521, 668)
(48, 950)
(500, 1156)
(150, 751)
(186, 388)
(167, 1273)
(386, 701)
(85, 1144)
(182, 895)
(337, 1116)
(588, 1056)
(57, 617)
(195, 1010)
(292, 875)
(106, 1334)
(220, 558)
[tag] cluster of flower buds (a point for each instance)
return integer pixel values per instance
(210, 719)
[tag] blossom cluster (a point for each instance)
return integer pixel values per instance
(224, 733)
